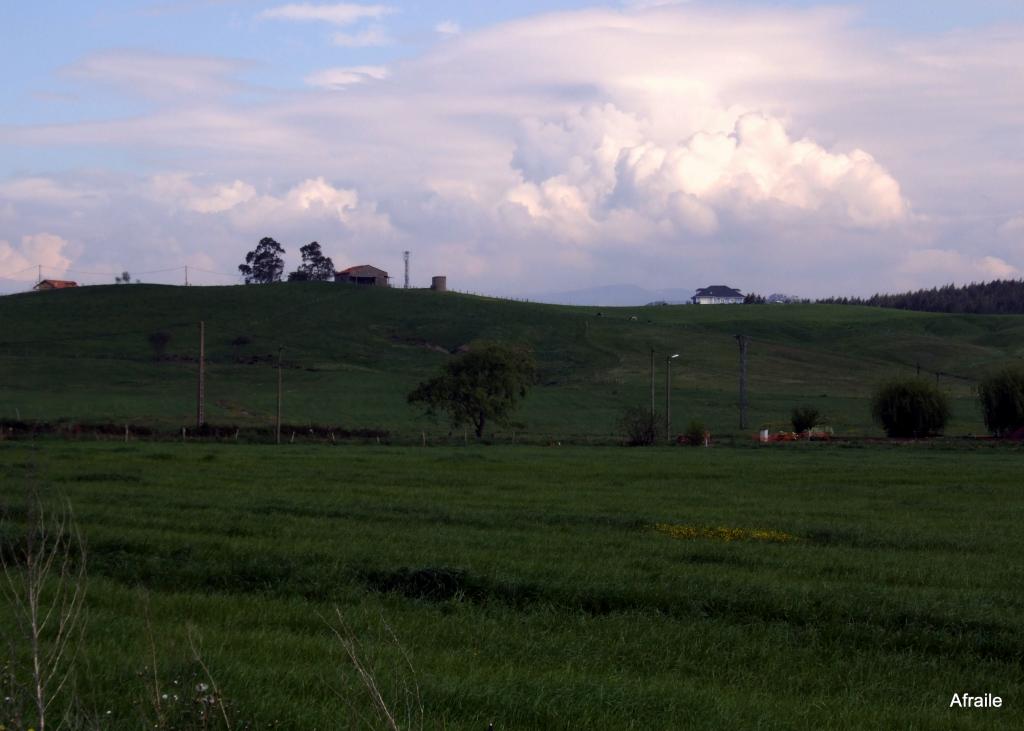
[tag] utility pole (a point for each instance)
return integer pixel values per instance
(405, 256)
(280, 352)
(186, 275)
(652, 382)
(743, 341)
(39, 275)
(201, 393)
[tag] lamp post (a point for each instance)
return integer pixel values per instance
(668, 396)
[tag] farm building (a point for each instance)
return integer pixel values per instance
(718, 294)
(363, 274)
(47, 284)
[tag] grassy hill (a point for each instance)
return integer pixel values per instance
(352, 354)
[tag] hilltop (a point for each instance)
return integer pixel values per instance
(352, 354)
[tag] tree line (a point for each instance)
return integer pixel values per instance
(999, 297)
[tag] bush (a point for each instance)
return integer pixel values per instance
(1002, 401)
(804, 418)
(911, 408)
(159, 341)
(694, 434)
(640, 426)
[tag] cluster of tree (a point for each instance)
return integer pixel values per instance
(1001, 297)
(265, 264)
(917, 408)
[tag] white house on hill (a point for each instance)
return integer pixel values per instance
(718, 294)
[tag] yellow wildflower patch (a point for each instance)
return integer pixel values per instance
(722, 533)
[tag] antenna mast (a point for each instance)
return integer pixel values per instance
(405, 256)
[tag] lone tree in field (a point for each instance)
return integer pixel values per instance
(911, 408)
(263, 265)
(1002, 401)
(315, 267)
(480, 386)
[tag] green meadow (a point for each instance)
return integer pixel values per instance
(352, 354)
(786, 586)
(855, 584)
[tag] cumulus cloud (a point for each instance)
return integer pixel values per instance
(46, 249)
(338, 78)
(340, 14)
(598, 161)
(673, 144)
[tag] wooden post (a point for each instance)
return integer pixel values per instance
(201, 391)
(423, 438)
(652, 382)
(280, 352)
(743, 341)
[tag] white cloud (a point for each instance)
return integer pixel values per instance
(42, 248)
(338, 78)
(159, 75)
(448, 28)
(601, 160)
(955, 266)
(340, 14)
(1013, 227)
(373, 36)
(46, 190)
(783, 149)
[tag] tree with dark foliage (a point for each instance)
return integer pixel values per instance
(315, 267)
(1002, 401)
(910, 408)
(480, 386)
(264, 264)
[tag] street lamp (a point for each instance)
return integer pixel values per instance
(668, 396)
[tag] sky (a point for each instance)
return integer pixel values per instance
(811, 148)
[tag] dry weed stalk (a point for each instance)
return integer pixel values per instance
(44, 588)
(413, 700)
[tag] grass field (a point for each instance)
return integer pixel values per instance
(531, 587)
(353, 354)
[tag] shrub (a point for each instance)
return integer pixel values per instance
(1002, 401)
(694, 434)
(159, 341)
(804, 418)
(640, 426)
(910, 408)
